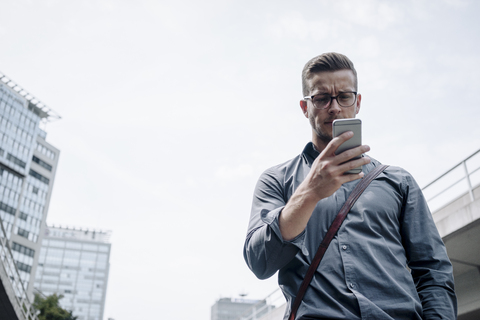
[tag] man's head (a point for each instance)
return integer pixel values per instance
(330, 61)
(330, 92)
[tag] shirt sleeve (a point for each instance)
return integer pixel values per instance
(265, 251)
(426, 255)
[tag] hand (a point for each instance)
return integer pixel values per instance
(325, 177)
(328, 171)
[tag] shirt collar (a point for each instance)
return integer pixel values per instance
(310, 153)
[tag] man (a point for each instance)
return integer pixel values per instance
(364, 273)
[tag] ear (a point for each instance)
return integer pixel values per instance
(357, 106)
(303, 105)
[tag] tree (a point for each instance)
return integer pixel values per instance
(50, 308)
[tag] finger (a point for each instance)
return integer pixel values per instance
(333, 145)
(351, 177)
(352, 153)
(352, 164)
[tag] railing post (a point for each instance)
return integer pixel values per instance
(470, 191)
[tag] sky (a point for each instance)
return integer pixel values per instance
(172, 109)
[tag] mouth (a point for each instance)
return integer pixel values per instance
(329, 122)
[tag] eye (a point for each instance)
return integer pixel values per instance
(322, 99)
(346, 96)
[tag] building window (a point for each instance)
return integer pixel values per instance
(44, 150)
(22, 232)
(8, 209)
(42, 163)
(38, 176)
(15, 160)
(23, 267)
(23, 216)
(23, 250)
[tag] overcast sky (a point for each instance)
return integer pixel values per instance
(172, 109)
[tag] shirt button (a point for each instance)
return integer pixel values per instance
(351, 285)
(344, 247)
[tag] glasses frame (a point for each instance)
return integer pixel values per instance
(331, 99)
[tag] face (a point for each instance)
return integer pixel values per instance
(332, 83)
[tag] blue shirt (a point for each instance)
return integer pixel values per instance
(387, 260)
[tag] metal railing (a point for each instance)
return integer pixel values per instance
(456, 182)
(272, 301)
(8, 264)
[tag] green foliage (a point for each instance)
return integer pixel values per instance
(50, 309)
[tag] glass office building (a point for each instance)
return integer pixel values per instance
(27, 171)
(75, 263)
(237, 308)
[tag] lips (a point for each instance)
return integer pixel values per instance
(329, 122)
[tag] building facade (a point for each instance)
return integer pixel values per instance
(237, 308)
(27, 170)
(75, 263)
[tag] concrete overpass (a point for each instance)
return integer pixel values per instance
(460, 223)
(454, 199)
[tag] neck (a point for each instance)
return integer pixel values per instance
(319, 142)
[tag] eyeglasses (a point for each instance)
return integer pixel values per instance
(323, 100)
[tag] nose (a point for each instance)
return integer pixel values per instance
(334, 108)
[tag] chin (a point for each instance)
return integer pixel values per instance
(325, 137)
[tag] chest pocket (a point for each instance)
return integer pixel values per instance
(378, 209)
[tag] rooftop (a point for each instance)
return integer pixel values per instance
(35, 105)
(81, 234)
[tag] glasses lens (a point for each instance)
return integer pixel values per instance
(321, 101)
(346, 99)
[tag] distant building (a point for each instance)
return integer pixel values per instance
(75, 263)
(27, 171)
(235, 308)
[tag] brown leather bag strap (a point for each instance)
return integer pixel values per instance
(361, 186)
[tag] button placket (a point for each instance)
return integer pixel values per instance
(349, 268)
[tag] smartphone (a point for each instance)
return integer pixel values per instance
(343, 125)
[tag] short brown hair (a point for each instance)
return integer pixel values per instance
(330, 61)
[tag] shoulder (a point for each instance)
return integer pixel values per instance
(281, 176)
(288, 168)
(393, 170)
(395, 175)
(280, 171)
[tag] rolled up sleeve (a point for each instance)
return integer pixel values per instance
(265, 251)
